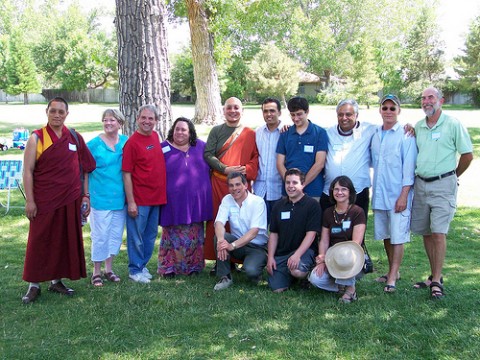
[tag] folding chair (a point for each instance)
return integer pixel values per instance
(10, 178)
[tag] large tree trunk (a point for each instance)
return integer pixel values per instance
(208, 107)
(143, 66)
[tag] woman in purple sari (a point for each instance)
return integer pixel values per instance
(189, 202)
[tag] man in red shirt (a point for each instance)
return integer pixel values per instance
(144, 178)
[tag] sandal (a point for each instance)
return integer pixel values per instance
(424, 284)
(97, 280)
(436, 294)
(384, 278)
(111, 276)
(348, 297)
(389, 289)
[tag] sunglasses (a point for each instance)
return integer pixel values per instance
(392, 108)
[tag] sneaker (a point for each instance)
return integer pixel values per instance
(139, 278)
(224, 283)
(146, 273)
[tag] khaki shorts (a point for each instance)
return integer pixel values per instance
(391, 225)
(434, 205)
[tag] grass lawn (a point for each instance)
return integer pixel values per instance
(183, 318)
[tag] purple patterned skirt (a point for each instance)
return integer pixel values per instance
(181, 249)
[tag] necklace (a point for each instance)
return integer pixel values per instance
(339, 217)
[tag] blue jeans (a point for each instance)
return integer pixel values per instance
(282, 277)
(141, 235)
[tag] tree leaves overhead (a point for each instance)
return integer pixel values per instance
(67, 46)
(325, 36)
(468, 64)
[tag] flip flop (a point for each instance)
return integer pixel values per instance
(389, 289)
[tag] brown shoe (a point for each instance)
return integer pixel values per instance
(32, 294)
(61, 289)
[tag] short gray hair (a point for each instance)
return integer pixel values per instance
(150, 107)
(348, 102)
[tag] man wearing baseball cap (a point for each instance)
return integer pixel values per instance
(393, 156)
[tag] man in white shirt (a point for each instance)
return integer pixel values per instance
(246, 214)
(349, 153)
(268, 184)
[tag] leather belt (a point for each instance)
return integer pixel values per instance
(433, 178)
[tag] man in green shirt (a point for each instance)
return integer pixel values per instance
(439, 138)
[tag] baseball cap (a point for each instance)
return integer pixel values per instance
(390, 97)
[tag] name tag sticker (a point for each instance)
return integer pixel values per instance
(337, 147)
(72, 147)
(308, 149)
(336, 230)
(285, 215)
(346, 224)
(435, 135)
(166, 149)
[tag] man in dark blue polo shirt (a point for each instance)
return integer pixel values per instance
(303, 146)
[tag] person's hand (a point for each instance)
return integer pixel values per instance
(86, 200)
(319, 259)
(30, 210)
(222, 244)
(293, 262)
(284, 129)
(319, 269)
(132, 210)
(237, 168)
(222, 255)
(409, 130)
(401, 204)
(271, 265)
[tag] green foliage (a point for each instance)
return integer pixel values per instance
(72, 53)
(365, 81)
(273, 73)
(67, 47)
(21, 70)
(468, 64)
(182, 79)
(235, 81)
(422, 58)
(4, 51)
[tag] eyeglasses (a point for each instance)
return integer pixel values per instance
(391, 108)
(109, 120)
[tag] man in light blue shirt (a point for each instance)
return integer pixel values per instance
(268, 184)
(394, 156)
